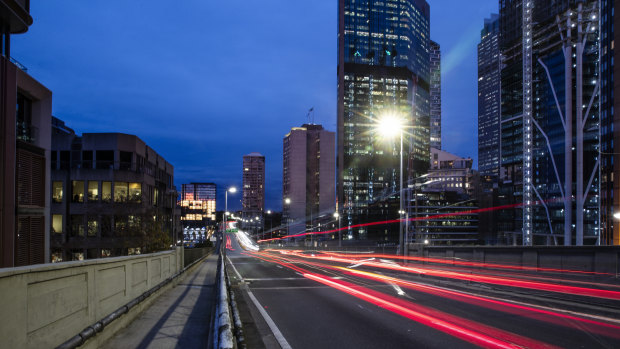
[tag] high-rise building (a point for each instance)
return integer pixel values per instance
(450, 172)
(112, 195)
(435, 55)
(383, 71)
(489, 68)
(432, 224)
(25, 137)
(308, 181)
(253, 201)
(610, 135)
(550, 121)
(197, 205)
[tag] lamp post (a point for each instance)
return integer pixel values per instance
(337, 216)
(270, 226)
(232, 190)
(287, 201)
(388, 125)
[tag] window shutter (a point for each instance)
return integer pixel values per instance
(30, 179)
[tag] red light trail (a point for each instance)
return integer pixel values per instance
(502, 281)
(437, 216)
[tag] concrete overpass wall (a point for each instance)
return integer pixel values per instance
(601, 259)
(45, 305)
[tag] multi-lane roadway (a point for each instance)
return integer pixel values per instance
(313, 299)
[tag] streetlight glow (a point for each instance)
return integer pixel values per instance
(287, 201)
(389, 125)
(232, 189)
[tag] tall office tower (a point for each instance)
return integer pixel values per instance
(308, 177)
(25, 133)
(489, 67)
(383, 71)
(435, 55)
(198, 204)
(550, 121)
(610, 163)
(253, 201)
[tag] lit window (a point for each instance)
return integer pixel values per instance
(135, 192)
(92, 226)
(57, 191)
(57, 224)
(120, 191)
(77, 191)
(106, 191)
(93, 191)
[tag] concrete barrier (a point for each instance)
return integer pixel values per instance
(46, 305)
(598, 259)
(194, 254)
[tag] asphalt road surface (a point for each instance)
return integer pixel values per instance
(340, 300)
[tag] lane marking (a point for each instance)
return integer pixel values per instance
(361, 263)
(272, 325)
(234, 269)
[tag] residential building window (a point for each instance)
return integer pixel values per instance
(134, 250)
(65, 157)
(125, 163)
(87, 159)
(106, 191)
(106, 225)
(156, 197)
(135, 192)
(54, 160)
(77, 225)
(93, 190)
(120, 225)
(57, 224)
(93, 226)
(105, 159)
(106, 252)
(77, 255)
(120, 191)
(57, 191)
(56, 255)
(77, 191)
(134, 222)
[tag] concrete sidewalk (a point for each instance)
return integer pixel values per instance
(179, 318)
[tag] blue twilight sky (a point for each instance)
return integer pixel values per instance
(205, 82)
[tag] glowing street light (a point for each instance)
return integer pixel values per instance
(389, 126)
(337, 216)
(287, 201)
(232, 190)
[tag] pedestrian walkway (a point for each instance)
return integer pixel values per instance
(181, 317)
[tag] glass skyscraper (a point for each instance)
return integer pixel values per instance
(383, 69)
(435, 55)
(489, 67)
(550, 121)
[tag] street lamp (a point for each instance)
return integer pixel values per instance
(337, 216)
(287, 201)
(389, 125)
(232, 190)
(270, 226)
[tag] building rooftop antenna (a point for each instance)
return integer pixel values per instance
(310, 115)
